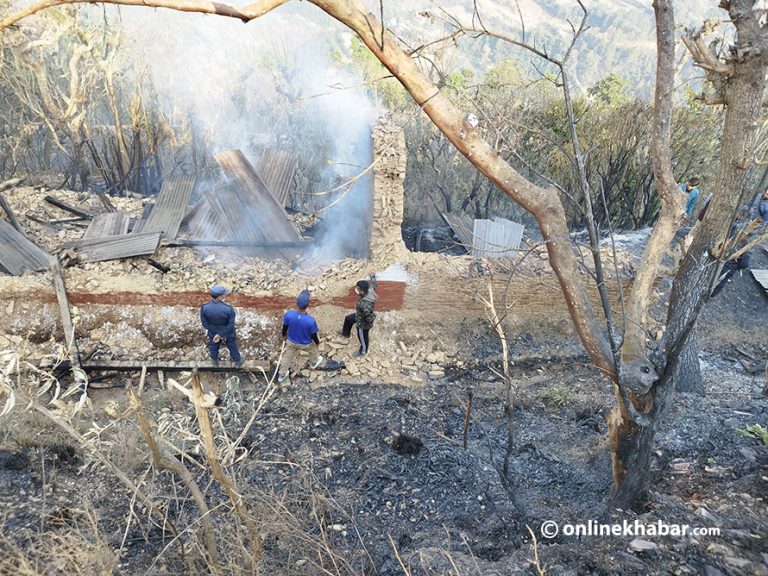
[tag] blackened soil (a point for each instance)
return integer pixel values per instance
(432, 239)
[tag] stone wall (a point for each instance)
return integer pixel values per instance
(389, 155)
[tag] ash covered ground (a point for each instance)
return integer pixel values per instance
(371, 465)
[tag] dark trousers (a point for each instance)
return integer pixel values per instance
(729, 269)
(362, 333)
(231, 342)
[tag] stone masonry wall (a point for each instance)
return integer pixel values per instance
(389, 155)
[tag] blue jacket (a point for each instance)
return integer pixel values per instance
(218, 318)
(760, 210)
(301, 327)
(693, 196)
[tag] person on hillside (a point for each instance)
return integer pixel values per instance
(363, 316)
(691, 190)
(218, 318)
(300, 332)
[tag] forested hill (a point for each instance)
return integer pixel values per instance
(620, 36)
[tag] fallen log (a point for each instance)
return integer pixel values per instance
(67, 208)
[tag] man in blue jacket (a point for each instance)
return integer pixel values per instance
(218, 319)
(691, 190)
(300, 333)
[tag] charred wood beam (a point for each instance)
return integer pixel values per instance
(236, 243)
(155, 264)
(11, 216)
(77, 221)
(172, 365)
(67, 208)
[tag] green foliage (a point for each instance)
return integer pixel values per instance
(755, 431)
(612, 90)
(556, 394)
(382, 87)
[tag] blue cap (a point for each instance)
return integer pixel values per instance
(219, 290)
(303, 299)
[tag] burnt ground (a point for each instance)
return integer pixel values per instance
(368, 469)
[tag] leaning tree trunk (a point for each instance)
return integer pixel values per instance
(688, 376)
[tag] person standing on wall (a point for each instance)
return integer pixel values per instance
(300, 333)
(363, 316)
(218, 318)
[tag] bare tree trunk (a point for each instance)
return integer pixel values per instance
(688, 376)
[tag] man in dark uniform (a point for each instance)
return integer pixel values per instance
(218, 319)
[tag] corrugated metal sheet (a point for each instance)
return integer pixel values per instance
(251, 211)
(170, 207)
(496, 238)
(115, 247)
(18, 254)
(109, 224)
(762, 277)
(462, 226)
(277, 169)
(204, 222)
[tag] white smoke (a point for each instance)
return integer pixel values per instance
(225, 77)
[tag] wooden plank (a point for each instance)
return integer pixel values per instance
(66, 315)
(110, 224)
(142, 378)
(170, 207)
(260, 218)
(115, 247)
(172, 365)
(18, 254)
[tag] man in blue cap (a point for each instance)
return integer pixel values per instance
(218, 319)
(300, 333)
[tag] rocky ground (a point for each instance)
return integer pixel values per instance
(364, 470)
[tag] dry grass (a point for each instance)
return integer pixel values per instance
(78, 549)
